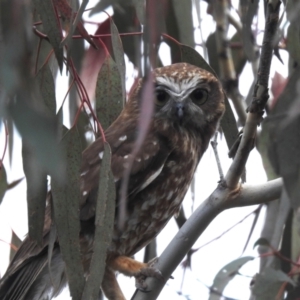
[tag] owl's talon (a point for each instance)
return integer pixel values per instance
(140, 277)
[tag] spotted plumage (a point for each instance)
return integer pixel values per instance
(188, 103)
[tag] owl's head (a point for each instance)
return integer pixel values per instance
(187, 96)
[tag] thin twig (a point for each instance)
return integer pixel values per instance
(214, 145)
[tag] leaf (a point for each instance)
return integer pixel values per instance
(268, 282)
(36, 192)
(66, 198)
(105, 212)
(47, 88)
(51, 26)
(184, 20)
(261, 242)
(16, 242)
(109, 96)
(118, 55)
(139, 6)
(283, 146)
(125, 18)
(225, 275)
(192, 57)
(40, 130)
(3, 181)
(238, 54)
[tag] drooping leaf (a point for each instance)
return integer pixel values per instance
(15, 242)
(261, 242)
(3, 182)
(66, 198)
(226, 274)
(282, 127)
(36, 178)
(268, 282)
(109, 96)
(125, 18)
(51, 26)
(40, 130)
(47, 88)
(140, 10)
(93, 59)
(228, 122)
(184, 20)
(105, 211)
(118, 55)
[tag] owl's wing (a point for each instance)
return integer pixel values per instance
(147, 165)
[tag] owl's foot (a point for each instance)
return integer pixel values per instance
(130, 267)
(149, 271)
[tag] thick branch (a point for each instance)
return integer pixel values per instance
(219, 200)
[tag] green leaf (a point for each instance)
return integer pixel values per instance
(109, 95)
(16, 242)
(3, 182)
(261, 242)
(66, 198)
(40, 130)
(47, 88)
(191, 56)
(105, 212)
(118, 55)
(51, 26)
(226, 274)
(36, 192)
(139, 6)
(268, 283)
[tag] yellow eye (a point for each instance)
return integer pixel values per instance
(199, 96)
(161, 97)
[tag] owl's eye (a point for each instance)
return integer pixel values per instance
(199, 96)
(161, 97)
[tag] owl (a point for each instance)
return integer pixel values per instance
(188, 105)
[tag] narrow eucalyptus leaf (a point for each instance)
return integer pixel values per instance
(225, 275)
(15, 244)
(104, 221)
(51, 27)
(3, 182)
(109, 95)
(47, 88)
(36, 179)
(118, 55)
(66, 199)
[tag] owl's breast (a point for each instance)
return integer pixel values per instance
(157, 203)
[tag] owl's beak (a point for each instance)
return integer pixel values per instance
(179, 110)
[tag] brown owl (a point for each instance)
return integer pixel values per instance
(189, 103)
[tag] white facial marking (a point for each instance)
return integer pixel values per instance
(84, 193)
(138, 159)
(179, 88)
(126, 156)
(101, 155)
(123, 138)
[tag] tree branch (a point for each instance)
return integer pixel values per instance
(217, 202)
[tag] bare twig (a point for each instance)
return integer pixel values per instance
(214, 145)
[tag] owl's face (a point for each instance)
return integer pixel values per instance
(189, 97)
